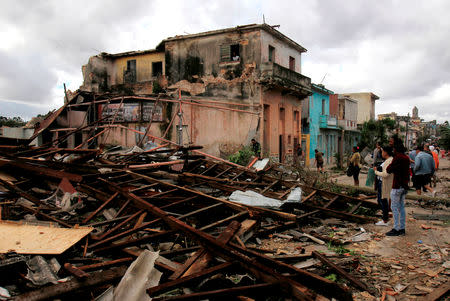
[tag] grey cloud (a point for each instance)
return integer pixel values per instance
(407, 58)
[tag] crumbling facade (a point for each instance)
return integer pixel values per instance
(232, 85)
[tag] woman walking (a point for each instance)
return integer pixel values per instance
(355, 164)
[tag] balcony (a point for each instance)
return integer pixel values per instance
(275, 75)
(328, 122)
(348, 125)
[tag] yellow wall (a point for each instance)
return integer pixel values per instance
(143, 66)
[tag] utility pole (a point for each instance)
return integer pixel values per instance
(407, 123)
(180, 124)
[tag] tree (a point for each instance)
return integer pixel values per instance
(12, 122)
(376, 131)
(444, 141)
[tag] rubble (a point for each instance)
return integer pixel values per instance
(169, 223)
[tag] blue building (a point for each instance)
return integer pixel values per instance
(319, 128)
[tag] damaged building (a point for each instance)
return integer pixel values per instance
(218, 89)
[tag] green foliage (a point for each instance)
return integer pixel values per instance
(375, 130)
(12, 122)
(422, 139)
(340, 250)
(242, 157)
(157, 87)
(444, 141)
(332, 277)
(337, 158)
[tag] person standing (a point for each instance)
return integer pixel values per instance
(355, 164)
(424, 168)
(435, 155)
(299, 154)
(384, 184)
(377, 161)
(318, 160)
(412, 158)
(256, 148)
(377, 156)
(400, 168)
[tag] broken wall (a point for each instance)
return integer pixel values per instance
(144, 67)
(97, 74)
(282, 51)
(220, 132)
(203, 65)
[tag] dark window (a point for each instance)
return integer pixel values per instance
(229, 53)
(157, 68)
(129, 75)
(271, 53)
(292, 63)
(235, 55)
(323, 106)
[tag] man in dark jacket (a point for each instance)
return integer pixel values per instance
(400, 168)
(256, 148)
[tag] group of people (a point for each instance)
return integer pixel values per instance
(393, 168)
(424, 164)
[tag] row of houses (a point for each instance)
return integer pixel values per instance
(412, 128)
(218, 89)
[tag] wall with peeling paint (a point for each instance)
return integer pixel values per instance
(282, 51)
(286, 127)
(194, 65)
(143, 66)
(97, 74)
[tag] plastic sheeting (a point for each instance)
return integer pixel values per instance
(253, 198)
(370, 177)
(41, 272)
(140, 276)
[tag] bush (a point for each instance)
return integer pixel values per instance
(242, 157)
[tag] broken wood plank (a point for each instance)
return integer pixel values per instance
(188, 279)
(94, 213)
(32, 239)
(438, 292)
(45, 216)
(75, 271)
(104, 264)
(256, 289)
(203, 261)
(118, 226)
(355, 207)
(236, 253)
(341, 272)
(41, 170)
(270, 186)
(343, 215)
(56, 290)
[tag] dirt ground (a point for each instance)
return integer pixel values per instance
(395, 268)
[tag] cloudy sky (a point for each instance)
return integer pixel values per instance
(398, 50)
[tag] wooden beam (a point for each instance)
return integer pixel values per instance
(188, 279)
(340, 271)
(256, 289)
(56, 290)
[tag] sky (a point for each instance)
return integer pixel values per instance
(396, 49)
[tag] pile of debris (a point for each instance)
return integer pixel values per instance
(168, 224)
